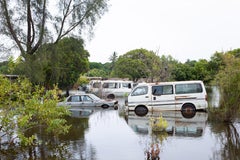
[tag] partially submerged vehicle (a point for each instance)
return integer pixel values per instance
(81, 100)
(179, 95)
(178, 124)
(111, 88)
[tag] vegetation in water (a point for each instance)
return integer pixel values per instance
(24, 107)
(228, 79)
(158, 124)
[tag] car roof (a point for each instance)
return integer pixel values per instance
(81, 94)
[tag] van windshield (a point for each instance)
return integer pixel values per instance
(140, 91)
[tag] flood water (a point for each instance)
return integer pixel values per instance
(104, 134)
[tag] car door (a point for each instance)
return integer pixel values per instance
(87, 101)
(163, 97)
(74, 101)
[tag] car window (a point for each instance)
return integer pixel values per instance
(86, 98)
(74, 99)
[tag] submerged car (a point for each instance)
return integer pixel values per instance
(88, 100)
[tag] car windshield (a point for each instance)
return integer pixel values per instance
(95, 97)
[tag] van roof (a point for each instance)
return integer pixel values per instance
(117, 81)
(172, 82)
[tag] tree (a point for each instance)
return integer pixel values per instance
(135, 64)
(73, 61)
(113, 59)
(30, 23)
(96, 73)
(60, 63)
(228, 81)
(216, 63)
(167, 63)
(202, 71)
(4, 67)
(98, 69)
(24, 107)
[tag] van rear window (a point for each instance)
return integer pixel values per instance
(188, 88)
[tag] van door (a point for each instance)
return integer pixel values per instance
(163, 97)
(139, 96)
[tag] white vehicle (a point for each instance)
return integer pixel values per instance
(179, 95)
(111, 88)
(178, 124)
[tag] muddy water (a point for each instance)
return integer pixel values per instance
(108, 135)
(99, 134)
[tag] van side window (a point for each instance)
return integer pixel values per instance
(126, 85)
(110, 85)
(140, 91)
(162, 90)
(188, 88)
(96, 84)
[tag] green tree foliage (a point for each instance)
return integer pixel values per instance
(228, 80)
(216, 63)
(73, 61)
(167, 63)
(4, 67)
(95, 65)
(98, 69)
(135, 64)
(97, 73)
(193, 70)
(60, 63)
(113, 59)
(30, 23)
(82, 81)
(25, 107)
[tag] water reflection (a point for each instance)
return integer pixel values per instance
(213, 96)
(178, 126)
(112, 138)
(228, 138)
(99, 134)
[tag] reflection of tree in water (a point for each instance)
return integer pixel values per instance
(69, 146)
(153, 145)
(228, 136)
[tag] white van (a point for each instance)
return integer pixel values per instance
(179, 95)
(116, 88)
(111, 88)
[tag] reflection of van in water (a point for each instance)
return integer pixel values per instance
(179, 95)
(111, 88)
(178, 125)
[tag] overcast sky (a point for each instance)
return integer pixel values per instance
(184, 29)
